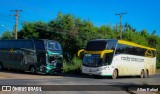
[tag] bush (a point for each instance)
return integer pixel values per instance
(72, 67)
(158, 70)
(158, 66)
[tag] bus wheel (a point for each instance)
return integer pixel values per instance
(115, 74)
(146, 74)
(1, 66)
(142, 74)
(33, 70)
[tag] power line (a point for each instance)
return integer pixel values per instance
(16, 15)
(4, 16)
(121, 15)
(6, 20)
(34, 10)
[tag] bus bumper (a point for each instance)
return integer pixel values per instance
(99, 71)
(51, 70)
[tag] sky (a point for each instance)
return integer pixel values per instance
(141, 14)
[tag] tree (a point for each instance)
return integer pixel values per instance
(73, 33)
(33, 30)
(7, 35)
(128, 27)
(144, 33)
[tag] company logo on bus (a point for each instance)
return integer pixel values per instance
(126, 58)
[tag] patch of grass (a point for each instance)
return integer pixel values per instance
(158, 70)
(73, 67)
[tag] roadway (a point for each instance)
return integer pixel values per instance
(18, 78)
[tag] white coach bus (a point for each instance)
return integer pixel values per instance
(111, 57)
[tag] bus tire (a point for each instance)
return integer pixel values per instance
(115, 74)
(33, 70)
(1, 66)
(142, 75)
(146, 74)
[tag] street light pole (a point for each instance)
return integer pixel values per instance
(121, 15)
(16, 22)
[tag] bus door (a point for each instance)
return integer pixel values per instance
(108, 58)
(41, 60)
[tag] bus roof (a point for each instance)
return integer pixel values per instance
(134, 44)
(104, 40)
(27, 39)
(124, 42)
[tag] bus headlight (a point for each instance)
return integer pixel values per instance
(100, 73)
(99, 69)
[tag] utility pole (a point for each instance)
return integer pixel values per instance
(16, 15)
(121, 15)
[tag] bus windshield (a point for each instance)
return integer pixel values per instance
(96, 45)
(100, 45)
(92, 60)
(54, 46)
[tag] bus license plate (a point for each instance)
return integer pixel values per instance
(88, 55)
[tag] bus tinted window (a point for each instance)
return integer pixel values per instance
(57, 46)
(11, 44)
(50, 45)
(141, 51)
(120, 49)
(3, 44)
(21, 44)
(29, 44)
(39, 44)
(154, 53)
(54, 46)
(126, 49)
(16, 44)
(96, 46)
(111, 45)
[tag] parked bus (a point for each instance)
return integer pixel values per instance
(111, 57)
(43, 56)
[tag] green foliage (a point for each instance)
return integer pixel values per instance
(73, 66)
(33, 30)
(73, 33)
(7, 35)
(135, 37)
(158, 70)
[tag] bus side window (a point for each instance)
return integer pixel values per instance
(4, 44)
(141, 51)
(111, 45)
(154, 53)
(56, 46)
(120, 49)
(108, 58)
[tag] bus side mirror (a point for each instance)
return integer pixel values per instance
(66, 56)
(81, 54)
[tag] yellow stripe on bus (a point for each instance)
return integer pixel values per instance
(95, 52)
(79, 52)
(105, 51)
(134, 44)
